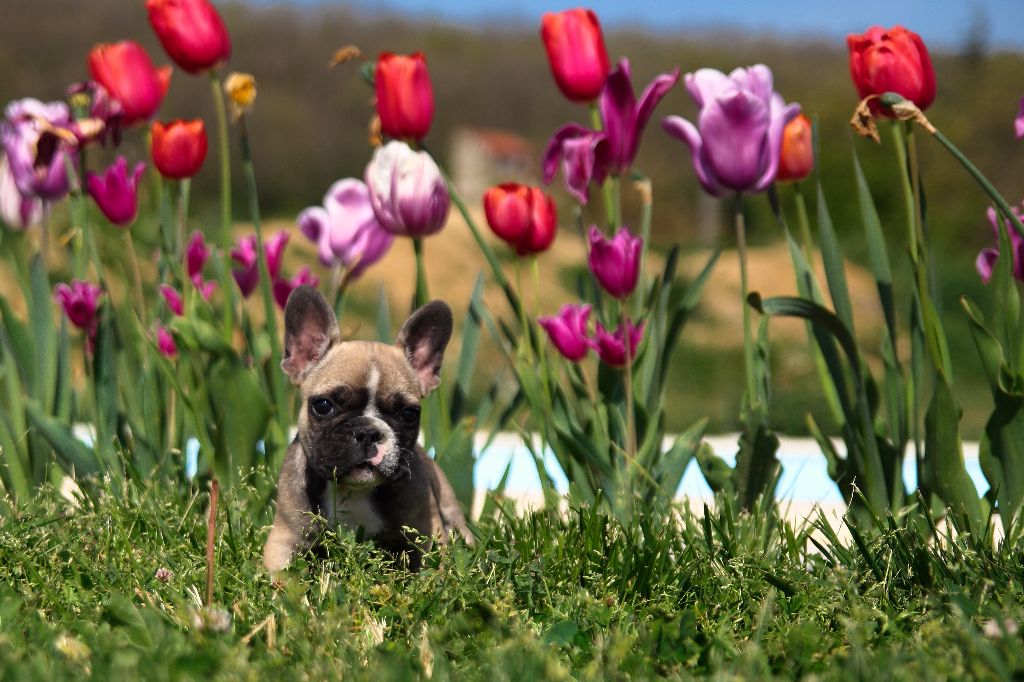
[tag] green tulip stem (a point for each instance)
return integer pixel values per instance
(225, 159)
(646, 214)
(627, 377)
(184, 199)
(422, 294)
(748, 342)
(133, 256)
(279, 390)
(908, 191)
(610, 186)
(485, 248)
(804, 222)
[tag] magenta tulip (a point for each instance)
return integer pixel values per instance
(568, 331)
(116, 192)
(283, 288)
(80, 301)
(345, 228)
(588, 155)
(738, 137)
(611, 347)
(173, 299)
(986, 261)
(196, 255)
(275, 252)
(407, 191)
(165, 343)
(615, 262)
(247, 276)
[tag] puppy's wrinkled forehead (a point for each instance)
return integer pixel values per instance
(363, 364)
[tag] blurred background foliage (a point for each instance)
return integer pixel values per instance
(310, 128)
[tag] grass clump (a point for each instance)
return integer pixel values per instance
(112, 588)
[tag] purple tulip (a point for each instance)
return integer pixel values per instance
(80, 301)
(36, 137)
(346, 229)
(116, 192)
(738, 137)
(589, 155)
(1018, 123)
(17, 210)
(615, 262)
(165, 343)
(611, 347)
(986, 261)
(407, 191)
(248, 275)
(283, 288)
(568, 331)
(196, 255)
(173, 299)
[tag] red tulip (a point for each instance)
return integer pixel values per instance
(179, 148)
(522, 216)
(576, 51)
(797, 158)
(405, 97)
(894, 60)
(127, 73)
(191, 32)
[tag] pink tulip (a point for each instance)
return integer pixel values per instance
(576, 52)
(615, 262)
(346, 229)
(407, 191)
(611, 347)
(116, 192)
(173, 299)
(568, 331)
(165, 343)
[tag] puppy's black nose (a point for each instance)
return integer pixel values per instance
(365, 435)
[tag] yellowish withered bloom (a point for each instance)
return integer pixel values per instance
(241, 91)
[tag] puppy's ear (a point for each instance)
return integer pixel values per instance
(310, 328)
(423, 338)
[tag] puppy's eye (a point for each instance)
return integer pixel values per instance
(321, 407)
(409, 415)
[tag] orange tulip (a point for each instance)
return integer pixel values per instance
(797, 159)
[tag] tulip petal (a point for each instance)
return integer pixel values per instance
(781, 114)
(652, 95)
(734, 129)
(553, 151)
(985, 264)
(705, 84)
(680, 128)
(618, 110)
(1018, 123)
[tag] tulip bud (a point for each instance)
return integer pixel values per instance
(407, 191)
(615, 262)
(126, 72)
(116, 192)
(179, 148)
(241, 91)
(191, 31)
(165, 343)
(894, 60)
(576, 52)
(173, 299)
(797, 158)
(568, 331)
(522, 216)
(247, 276)
(405, 97)
(611, 347)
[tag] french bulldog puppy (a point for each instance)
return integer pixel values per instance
(355, 462)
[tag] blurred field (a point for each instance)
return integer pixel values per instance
(309, 128)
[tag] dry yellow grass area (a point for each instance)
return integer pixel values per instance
(454, 260)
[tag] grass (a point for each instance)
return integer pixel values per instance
(573, 596)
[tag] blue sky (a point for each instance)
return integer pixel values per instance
(940, 23)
